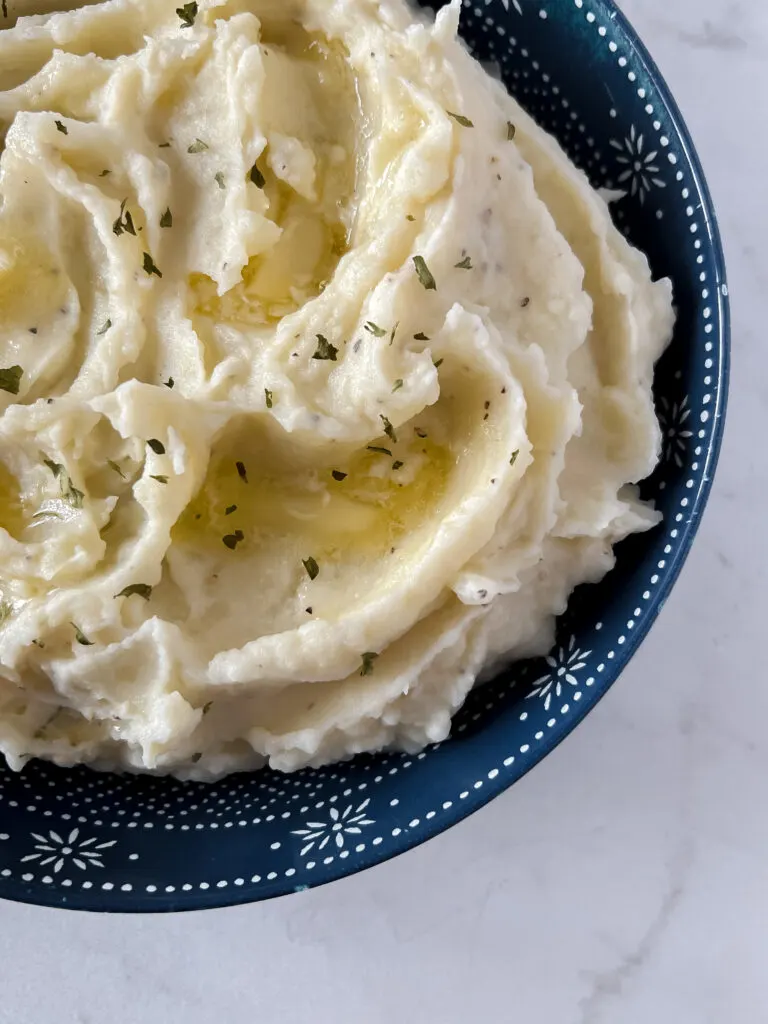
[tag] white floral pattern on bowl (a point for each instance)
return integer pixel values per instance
(56, 850)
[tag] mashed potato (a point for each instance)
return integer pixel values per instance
(324, 378)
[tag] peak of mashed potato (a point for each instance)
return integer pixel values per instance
(320, 387)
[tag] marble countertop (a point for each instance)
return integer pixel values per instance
(623, 881)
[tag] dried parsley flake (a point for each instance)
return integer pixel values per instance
(367, 663)
(311, 566)
(257, 177)
(460, 119)
(389, 430)
(80, 636)
(188, 13)
(231, 540)
(149, 266)
(139, 589)
(10, 379)
(424, 274)
(325, 350)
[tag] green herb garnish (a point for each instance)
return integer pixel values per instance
(464, 121)
(104, 329)
(424, 274)
(367, 666)
(105, 172)
(374, 329)
(233, 539)
(160, 477)
(397, 385)
(187, 13)
(10, 379)
(268, 397)
(140, 589)
(68, 491)
(198, 146)
(166, 221)
(393, 332)
(513, 457)
(313, 569)
(389, 430)
(149, 266)
(325, 350)
(61, 127)
(419, 432)
(524, 302)
(465, 264)
(6, 610)
(511, 131)
(420, 337)
(124, 223)
(71, 494)
(338, 475)
(409, 216)
(219, 179)
(381, 451)
(437, 363)
(114, 465)
(80, 636)
(397, 464)
(240, 466)
(257, 177)
(207, 707)
(230, 509)
(169, 383)
(157, 446)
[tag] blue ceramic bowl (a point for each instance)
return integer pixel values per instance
(104, 842)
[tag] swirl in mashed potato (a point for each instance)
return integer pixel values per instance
(324, 377)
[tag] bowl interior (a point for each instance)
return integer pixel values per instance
(76, 838)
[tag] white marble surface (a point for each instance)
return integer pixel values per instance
(622, 882)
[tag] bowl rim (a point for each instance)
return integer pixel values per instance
(217, 899)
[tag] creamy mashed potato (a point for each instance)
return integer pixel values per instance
(324, 378)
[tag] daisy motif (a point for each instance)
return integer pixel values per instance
(56, 850)
(641, 171)
(673, 417)
(349, 822)
(563, 665)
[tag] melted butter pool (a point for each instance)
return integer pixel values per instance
(362, 511)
